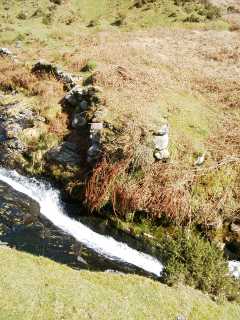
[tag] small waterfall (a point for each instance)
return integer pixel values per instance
(50, 207)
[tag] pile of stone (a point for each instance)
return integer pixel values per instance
(6, 53)
(89, 112)
(44, 67)
(15, 117)
(161, 143)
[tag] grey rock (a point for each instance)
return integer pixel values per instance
(14, 118)
(94, 151)
(97, 126)
(95, 137)
(161, 142)
(65, 154)
(181, 317)
(78, 121)
(84, 105)
(5, 52)
(161, 154)
(235, 227)
(163, 130)
(200, 160)
(74, 96)
(18, 44)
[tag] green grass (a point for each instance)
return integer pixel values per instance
(48, 24)
(37, 288)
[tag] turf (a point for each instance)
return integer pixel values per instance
(37, 288)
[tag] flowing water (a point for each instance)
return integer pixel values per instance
(51, 232)
(52, 209)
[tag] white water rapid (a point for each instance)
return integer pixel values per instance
(50, 207)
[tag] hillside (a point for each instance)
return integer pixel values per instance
(131, 109)
(33, 287)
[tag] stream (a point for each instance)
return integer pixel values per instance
(35, 220)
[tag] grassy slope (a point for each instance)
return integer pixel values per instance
(36, 288)
(163, 66)
(190, 76)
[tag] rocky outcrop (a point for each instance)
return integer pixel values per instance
(44, 67)
(15, 117)
(88, 111)
(66, 154)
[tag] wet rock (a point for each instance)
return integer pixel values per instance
(181, 317)
(95, 137)
(66, 154)
(14, 207)
(84, 105)
(94, 152)
(94, 127)
(161, 155)
(232, 239)
(78, 121)
(83, 98)
(75, 96)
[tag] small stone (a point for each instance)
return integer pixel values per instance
(200, 160)
(84, 105)
(163, 130)
(161, 154)
(66, 154)
(94, 151)
(161, 142)
(95, 137)
(5, 52)
(161, 139)
(96, 126)
(181, 317)
(74, 96)
(78, 120)
(18, 44)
